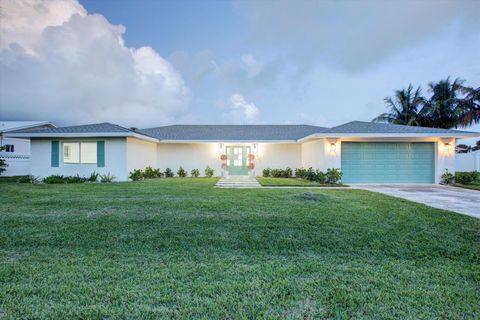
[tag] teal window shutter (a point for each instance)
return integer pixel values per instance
(100, 154)
(55, 153)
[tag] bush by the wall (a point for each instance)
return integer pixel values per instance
(466, 177)
(93, 177)
(333, 175)
(168, 173)
(266, 172)
(195, 173)
(107, 178)
(136, 174)
(209, 172)
(151, 173)
(447, 178)
(182, 173)
(287, 173)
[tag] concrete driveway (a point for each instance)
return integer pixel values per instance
(460, 200)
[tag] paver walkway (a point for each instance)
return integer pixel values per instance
(238, 182)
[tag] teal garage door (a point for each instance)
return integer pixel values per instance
(388, 162)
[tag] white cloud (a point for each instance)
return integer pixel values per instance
(353, 34)
(59, 63)
(241, 111)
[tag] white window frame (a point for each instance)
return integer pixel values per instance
(80, 161)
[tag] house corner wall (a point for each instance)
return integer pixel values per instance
(444, 159)
(140, 154)
(319, 154)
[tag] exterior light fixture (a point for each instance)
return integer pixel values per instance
(446, 147)
(333, 147)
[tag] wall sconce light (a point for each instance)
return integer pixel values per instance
(333, 147)
(446, 147)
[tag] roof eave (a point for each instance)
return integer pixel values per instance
(225, 141)
(82, 135)
(459, 135)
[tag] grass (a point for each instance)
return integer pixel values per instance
(472, 186)
(179, 248)
(292, 182)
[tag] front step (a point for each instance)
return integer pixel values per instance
(238, 182)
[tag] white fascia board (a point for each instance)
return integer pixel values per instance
(460, 135)
(81, 135)
(229, 141)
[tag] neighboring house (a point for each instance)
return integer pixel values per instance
(366, 152)
(17, 150)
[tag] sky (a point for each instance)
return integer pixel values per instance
(151, 63)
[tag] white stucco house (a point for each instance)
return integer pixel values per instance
(366, 152)
(16, 151)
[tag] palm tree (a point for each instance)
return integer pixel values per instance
(445, 106)
(403, 107)
(471, 107)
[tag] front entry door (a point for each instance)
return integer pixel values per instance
(237, 160)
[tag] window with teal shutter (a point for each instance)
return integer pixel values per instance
(55, 154)
(101, 154)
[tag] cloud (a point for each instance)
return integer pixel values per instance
(59, 63)
(353, 35)
(241, 111)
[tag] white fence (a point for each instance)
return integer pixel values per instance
(18, 165)
(467, 161)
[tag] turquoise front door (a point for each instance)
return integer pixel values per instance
(237, 160)
(388, 162)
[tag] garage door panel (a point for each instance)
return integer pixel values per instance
(380, 162)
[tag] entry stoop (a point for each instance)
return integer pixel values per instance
(238, 182)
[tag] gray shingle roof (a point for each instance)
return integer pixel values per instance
(87, 128)
(359, 127)
(232, 132)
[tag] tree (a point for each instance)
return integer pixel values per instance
(471, 107)
(463, 148)
(450, 105)
(445, 106)
(403, 107)
(476, 147)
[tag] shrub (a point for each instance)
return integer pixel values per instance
(54, 179)
(466, 177)
(106, 178)
(75, 179)
(168, 173)
(151, 173)
(28, 179)
(195, 173)
(311, 175)
(333, 175)
(209, 172)
(447, 178)
(182, 173)
(320, 177)
(93, 177)
(136, 174)
(266, 172)
(300, 173)
(276, 173)
(287, 173)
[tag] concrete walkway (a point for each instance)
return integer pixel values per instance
(460, 200)
(238, 182)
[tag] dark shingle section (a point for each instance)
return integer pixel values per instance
(232, 132)
(87, 128)
(373, 127)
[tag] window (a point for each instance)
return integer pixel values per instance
(9, 148)
(80, 152)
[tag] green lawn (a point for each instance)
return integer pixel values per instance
(178, 248)
(290, 182)
(473, 186)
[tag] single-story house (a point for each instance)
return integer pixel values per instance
(366, 152)
(16, 151)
